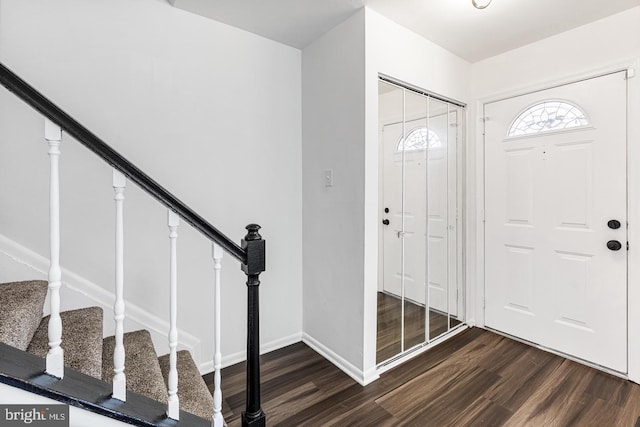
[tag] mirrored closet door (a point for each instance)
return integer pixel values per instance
(420, 217)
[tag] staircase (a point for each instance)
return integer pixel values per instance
(23, 327)
(64, 356)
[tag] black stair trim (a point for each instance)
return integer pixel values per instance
(26, 371)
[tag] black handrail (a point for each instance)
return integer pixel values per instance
(251, 254)
(67, 123)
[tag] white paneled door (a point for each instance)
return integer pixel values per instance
(556, 219)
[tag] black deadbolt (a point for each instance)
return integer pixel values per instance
(386, 210)
(614, 245)
(614, 224)
(385, 221)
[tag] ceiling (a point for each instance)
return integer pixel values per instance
(455, 25)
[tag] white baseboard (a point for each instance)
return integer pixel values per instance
(361, 377)
(232, 359)
(78, 292)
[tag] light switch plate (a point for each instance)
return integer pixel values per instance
(328, 178)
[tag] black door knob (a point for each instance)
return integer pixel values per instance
(386, 210)
(614, 245)
(614, 224)
(385, 221)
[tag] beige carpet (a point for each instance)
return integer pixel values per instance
(193, 393)
(141, 365)
(81, 340)
(22, 326)
(21, 311)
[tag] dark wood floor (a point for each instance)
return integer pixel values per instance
(389, 326)
(476, 378)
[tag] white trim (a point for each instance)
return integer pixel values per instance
(84, 292)
(477, 314)
(633, 196)
(241, 356)
(613, 67)
(633, 215)
(361, 377)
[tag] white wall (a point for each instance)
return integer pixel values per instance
(606, 45)
(394, 51)
(587, 48)
(333, 139)
(211, 112)
(340, 132)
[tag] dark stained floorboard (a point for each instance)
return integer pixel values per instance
(476, 378)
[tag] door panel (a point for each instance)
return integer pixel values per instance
(549, 276)
(520, 276)
(519, 183)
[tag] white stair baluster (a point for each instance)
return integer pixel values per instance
(173, 406)
(55, 356)
(119, 377)
(218, 421)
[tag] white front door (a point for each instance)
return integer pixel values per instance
(555, 192)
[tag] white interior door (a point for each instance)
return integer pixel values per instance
(550, 193)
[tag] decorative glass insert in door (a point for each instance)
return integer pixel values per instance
(547, 116)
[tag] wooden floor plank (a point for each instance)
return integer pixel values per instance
(437, 355)
(482, 412)
(630, 413)
(522, 378)
(431, 384)
(337, 404)
(367, 414)
(558, 399)
(454, 400)
(476, 378)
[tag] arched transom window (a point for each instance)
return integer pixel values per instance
(419, 139)
(548, 116)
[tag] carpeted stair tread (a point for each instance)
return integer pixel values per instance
(193, 393)
(141, 365)
(81, 340)
(21, 311)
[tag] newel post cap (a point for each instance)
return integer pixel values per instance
(254, 246)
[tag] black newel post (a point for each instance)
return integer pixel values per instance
(255, 248)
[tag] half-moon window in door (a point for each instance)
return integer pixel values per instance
(548, 116)
(419, 139)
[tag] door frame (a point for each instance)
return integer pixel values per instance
(477, 309)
